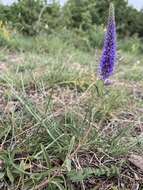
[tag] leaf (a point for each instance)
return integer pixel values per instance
(2, 175)
(84, 173)
(9, 175)
(99, 88)
(46, 157)
(68, 164)
(71, 146)
(60, 187)
(76, 175)
(24, 166)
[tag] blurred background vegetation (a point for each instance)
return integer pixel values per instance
(80, 23)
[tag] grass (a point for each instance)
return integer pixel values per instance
(60, 127)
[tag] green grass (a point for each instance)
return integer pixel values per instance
(60, 127)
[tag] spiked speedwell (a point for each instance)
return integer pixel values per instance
(108, 58)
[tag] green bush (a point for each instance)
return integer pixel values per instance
(131, 45)
(32, 16)
(96, 36)
(3, 40)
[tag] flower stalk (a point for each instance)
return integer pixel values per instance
(108, 57)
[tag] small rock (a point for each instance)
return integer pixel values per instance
(11, 107)
(137, 161)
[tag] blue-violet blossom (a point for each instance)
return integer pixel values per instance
(108, 58)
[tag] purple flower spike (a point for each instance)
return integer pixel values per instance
(108, 58)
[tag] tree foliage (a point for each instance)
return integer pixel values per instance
(81, 16)
(84, 13)
(30, 16)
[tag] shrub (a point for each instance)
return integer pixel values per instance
(4, 34)
(131, 45)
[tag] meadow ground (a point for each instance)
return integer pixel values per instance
(61, 128)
